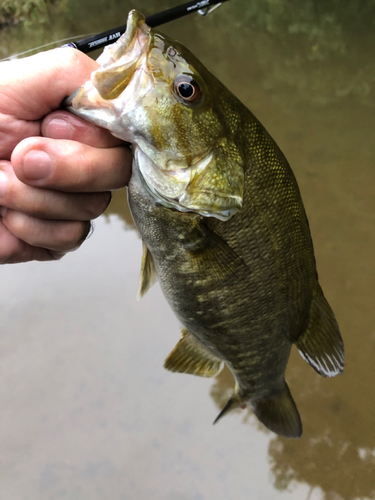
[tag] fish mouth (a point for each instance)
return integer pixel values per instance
(95, 101)
(120, 60)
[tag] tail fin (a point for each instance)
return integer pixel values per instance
(279, 413)
(321, 344)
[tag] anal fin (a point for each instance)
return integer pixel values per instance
(191, 356)
(279, 413)
(148, 273)
(321, 344)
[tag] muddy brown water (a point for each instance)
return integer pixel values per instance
(86, 409)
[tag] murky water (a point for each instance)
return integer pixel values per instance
(86, 409)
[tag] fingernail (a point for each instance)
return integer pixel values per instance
(3, 184)
(59, 129)
(37, 165)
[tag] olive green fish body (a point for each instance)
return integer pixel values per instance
(236, 285)
(211, 288)
(222, 222)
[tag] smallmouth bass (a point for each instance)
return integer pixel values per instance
(222, 222)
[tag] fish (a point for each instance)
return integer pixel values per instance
(222, 222)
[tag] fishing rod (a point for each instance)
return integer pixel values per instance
(203, 7)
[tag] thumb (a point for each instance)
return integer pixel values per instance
(34, 86)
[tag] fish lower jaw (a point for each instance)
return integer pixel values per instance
(175, 204)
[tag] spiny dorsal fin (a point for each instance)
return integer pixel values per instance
(148, 274)
(279, 413)
(191, 356)
(321, 344)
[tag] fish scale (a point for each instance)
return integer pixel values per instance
(222, 221)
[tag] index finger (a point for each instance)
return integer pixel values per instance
(31, 88)
(34, 86)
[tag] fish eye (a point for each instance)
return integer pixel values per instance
(187, 89)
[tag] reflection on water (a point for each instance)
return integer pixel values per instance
(336, 454)
(308, 74)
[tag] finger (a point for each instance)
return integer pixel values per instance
(65, 125)
(47, 203)
(71, 166)
(34, 86)
(59, 236)
(13, 250)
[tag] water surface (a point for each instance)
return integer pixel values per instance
(87, 411)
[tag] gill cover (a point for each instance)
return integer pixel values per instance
(212, 187)
(218, 189)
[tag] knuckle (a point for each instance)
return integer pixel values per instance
(18, 224)
(9, 253)
(97, 205)
(71, 56)
(80, 167)
(40, 203)
(55, 255)
(70, 235)
(82, 63)
(67, 235)
(12, 249)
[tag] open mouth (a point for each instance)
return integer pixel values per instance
(120, 60)
(123, 65)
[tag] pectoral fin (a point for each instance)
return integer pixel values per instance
(321, 344)
(210, 254)
(148, 273)
(191, 356)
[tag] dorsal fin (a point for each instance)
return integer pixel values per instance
(191, 356)
(321, 344)
(148, 273)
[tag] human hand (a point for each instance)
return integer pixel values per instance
(58, 169)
